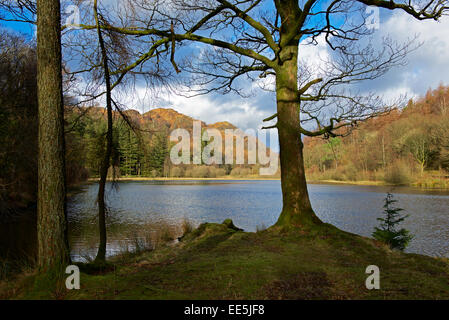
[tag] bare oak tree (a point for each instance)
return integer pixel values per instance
(261, 39)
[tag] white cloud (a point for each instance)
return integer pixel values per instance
(313, 56)
(428, 66)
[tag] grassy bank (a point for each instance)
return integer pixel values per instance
(430, 184)
(356, 183)
(216, 262)
(401, 177)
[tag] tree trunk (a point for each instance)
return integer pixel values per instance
(297, 210)
(334, 154)
(53, 249)
(101, 254)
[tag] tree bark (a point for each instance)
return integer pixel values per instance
(297, 210)
(53, 249)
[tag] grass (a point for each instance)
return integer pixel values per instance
(217, 262)
(358, 183)
(187, 227)
(11, 266)
(432, 180)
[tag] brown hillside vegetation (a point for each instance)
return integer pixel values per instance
(407, 146)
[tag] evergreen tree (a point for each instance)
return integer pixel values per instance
(158, 153)
(95, 145)
(387, 232)
(130, 150)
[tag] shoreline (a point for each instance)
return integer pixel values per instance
(365, 183)
(124, 179)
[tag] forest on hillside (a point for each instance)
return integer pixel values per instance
(408, 146)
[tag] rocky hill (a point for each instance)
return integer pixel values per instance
(145, 149)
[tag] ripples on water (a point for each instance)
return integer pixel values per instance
(252, 204)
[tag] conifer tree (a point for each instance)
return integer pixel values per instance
(387, 232)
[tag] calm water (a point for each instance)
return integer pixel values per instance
(252, 204)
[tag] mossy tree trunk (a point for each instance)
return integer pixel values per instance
(53, 249)
(297, 210)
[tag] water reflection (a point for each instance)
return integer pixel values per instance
(136, 209)
(252, 204)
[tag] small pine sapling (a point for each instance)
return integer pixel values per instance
(387, 231)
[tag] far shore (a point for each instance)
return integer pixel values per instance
(231, 178)
(357, 183)
(255, 178)
(260, 178)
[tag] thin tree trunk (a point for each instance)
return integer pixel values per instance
(334, 154)
(297, 210)
(101, 255)
(53, 249)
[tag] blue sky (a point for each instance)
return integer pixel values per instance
(23, 28)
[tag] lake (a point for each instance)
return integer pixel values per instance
(251, 205)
